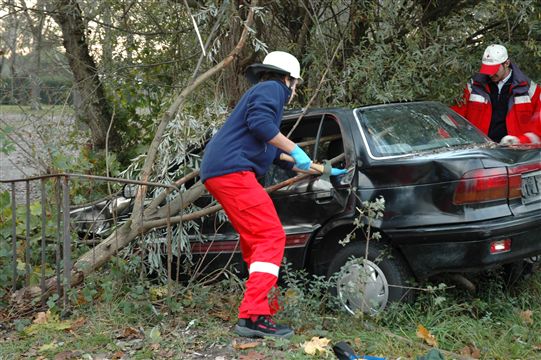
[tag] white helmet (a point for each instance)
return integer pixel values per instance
(279, 62)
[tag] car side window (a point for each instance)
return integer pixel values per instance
(319, 136)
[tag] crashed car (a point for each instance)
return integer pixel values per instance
(454, 202)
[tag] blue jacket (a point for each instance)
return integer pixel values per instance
(241, 143)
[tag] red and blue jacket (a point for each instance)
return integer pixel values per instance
(523, 118)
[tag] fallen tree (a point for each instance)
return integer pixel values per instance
(135, 226)
(155, 214)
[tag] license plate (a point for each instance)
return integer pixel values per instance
(531, 187)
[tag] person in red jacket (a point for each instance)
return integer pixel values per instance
(501, 101)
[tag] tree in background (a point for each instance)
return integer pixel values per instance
(128, 58)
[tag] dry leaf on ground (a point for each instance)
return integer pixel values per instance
(253, 355)
(118, 355)
(42, 317)
(471, 351)
(77, 324)
(130, 333)
(244, 346)
(526, 316)
(315, 345)
(424, 334)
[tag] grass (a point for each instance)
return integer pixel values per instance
(198, 322)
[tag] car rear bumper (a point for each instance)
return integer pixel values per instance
(466, 247)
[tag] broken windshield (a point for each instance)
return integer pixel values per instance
(401, 129)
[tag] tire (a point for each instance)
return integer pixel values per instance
(369, 285)
(521, 270)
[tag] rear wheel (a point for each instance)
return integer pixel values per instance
(521, 269)
(369, 283)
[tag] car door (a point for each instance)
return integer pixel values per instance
(309, 203)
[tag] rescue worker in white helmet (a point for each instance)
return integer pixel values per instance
(242, 150)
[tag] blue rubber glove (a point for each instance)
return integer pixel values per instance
(335, 171)
(302, 161)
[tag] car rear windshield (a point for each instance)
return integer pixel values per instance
(400, 129)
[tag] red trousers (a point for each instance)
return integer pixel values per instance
(262, 238)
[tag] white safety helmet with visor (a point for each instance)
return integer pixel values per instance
(279, 62)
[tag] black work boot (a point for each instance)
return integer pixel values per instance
(263, 326)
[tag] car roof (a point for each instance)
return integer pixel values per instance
(337, 110)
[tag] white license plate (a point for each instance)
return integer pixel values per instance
(531, 187)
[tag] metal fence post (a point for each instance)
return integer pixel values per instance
(58, 198)
(27, 237)
(43, 235)
(14, 235)
(67, 241)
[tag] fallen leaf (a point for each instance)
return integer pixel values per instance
(221, 314)
(154, 347)
(47, 322)
(41, 317)
(357, 342)
(315, 345)
(245, 346)
(155, 334)
(77, 324)
(118, 355)
(253, 355)
(130, 333)
(157, 293)
(166, 354)
(537, 347)
(66, 355)
(526, 316)
(423, 333)
(47, 347)
(471, 351)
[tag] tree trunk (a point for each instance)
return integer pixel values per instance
(11, 39)
(37, 39)
(96, 110)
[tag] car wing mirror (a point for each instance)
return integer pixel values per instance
(130, 190)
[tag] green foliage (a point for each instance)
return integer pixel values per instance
(6, 145)
(407, 52)
(306, 297)
(370, 215)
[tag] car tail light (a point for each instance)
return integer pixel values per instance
(500, 246)
(482, 185)
(515, 189)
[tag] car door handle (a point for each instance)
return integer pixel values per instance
(323, 197)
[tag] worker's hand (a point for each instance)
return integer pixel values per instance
(509, 140)
(302, 161)
(335, 171)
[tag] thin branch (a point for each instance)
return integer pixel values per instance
(321, 81)
(177, 104)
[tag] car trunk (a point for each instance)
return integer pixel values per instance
(524, 171)
(460, 186)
